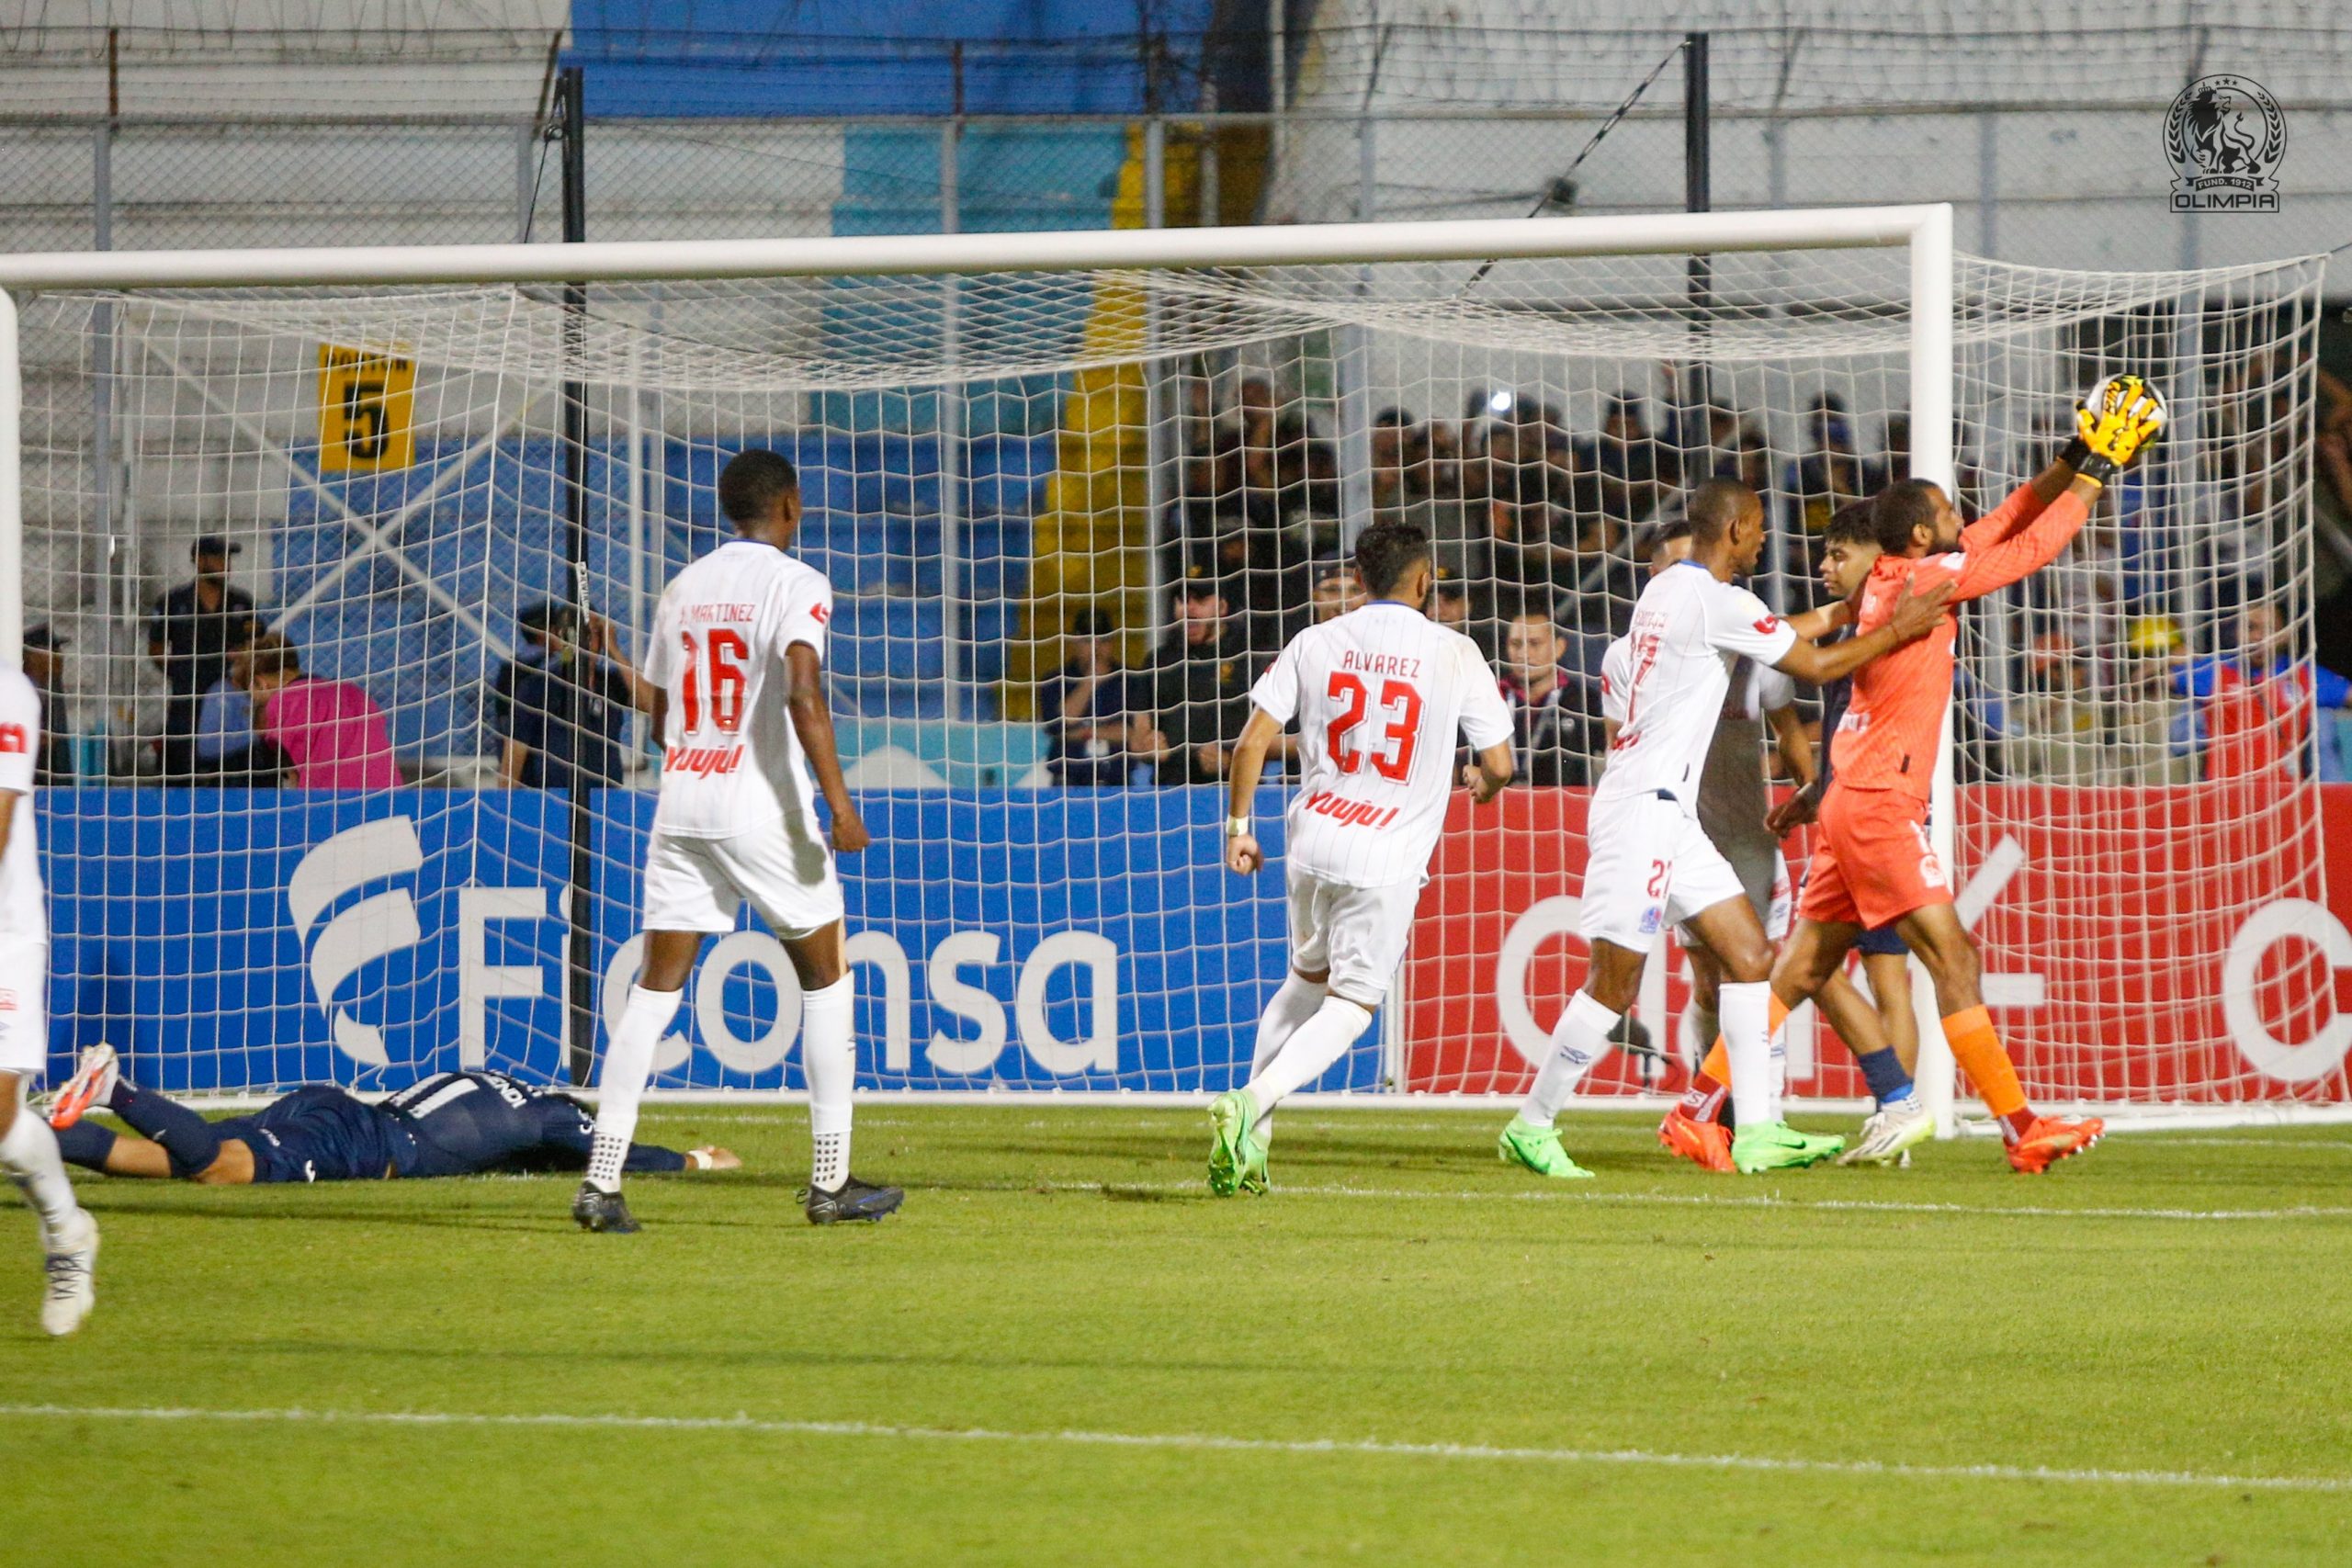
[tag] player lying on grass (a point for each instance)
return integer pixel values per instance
(1734, 809)
(450, 1124)
(1652, 864)
(1378, 694)
(737, 660)
(1874, 863)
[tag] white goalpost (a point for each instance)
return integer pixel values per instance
(1020, 452)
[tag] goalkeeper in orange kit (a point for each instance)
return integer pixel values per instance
(1875, 860)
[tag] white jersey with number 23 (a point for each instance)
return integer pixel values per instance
(1378, 694)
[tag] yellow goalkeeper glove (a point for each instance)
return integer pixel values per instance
(2113, 422)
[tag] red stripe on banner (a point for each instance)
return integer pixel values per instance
(2164, 944)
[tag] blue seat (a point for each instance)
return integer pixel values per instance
(988, 629)
(900, 638)
(996, 551)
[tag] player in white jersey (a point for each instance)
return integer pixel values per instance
(736, 665)
(1378, 694)
(1734, 811)
(1651, 864)
(29, 1153)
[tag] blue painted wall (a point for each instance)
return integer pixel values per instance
(734, 57)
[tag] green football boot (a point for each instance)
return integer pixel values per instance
(1236, 1158)
(1538, 1149)
(1776, 1145)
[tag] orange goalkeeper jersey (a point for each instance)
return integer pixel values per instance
(1887, 739)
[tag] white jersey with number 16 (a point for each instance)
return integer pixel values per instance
(730, 760)
(1378, 694)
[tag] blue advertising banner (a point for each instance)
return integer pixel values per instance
(232, 941)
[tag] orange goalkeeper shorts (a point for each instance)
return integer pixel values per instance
(1873, 860)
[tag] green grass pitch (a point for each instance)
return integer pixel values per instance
(1064, 1352)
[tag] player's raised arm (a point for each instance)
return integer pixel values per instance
(1916, 615)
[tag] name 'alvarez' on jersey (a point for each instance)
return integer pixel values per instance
(1379, 694)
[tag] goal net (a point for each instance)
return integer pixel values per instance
(1069, 514)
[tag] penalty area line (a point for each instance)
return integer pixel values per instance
(1199, 1442)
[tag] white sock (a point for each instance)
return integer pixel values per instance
(28, 1154)
(1780, 1071)
(1292, 1006)
(629, 1062)
(1579, 1040)
(1746, 1010)
(828, 1061)
(1311, 1049)
(1696, 1034)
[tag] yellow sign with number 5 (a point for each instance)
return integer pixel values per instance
(365, 401)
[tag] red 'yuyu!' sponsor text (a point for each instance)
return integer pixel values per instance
(701, 760)
(1323, 803)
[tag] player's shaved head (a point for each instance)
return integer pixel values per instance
(1715, 506)
(754, 483)
(1386, 553)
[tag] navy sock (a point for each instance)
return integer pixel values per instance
(1882, 1070)
(86, 1144)
(190, 1142)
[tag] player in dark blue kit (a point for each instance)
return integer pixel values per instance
(450, 1124)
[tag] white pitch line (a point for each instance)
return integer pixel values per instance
(1700, 1200)
(1190, 1441)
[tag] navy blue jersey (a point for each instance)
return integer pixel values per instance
(467, 1124)
(320, 1133)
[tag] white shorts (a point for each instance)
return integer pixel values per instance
(24, 1010)
(699, 885)
(1357, 933)
(1650, 866)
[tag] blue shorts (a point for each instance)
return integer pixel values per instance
(320, 1133)
(1881, 940)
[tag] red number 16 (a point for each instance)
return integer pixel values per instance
(716, 668)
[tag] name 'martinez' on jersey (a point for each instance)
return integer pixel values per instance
(1378, 694)
(730, 760)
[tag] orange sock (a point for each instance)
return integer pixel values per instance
(1976, 1046)
(1714, 1073)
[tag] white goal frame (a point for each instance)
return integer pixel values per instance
(1925, 230)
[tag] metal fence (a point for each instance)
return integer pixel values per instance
(2045, 183)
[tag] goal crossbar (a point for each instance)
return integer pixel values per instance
(1831, 228)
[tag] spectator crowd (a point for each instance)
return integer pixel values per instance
(1537, 529)
(2152, 652)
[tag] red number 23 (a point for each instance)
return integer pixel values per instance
(1399, 701)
